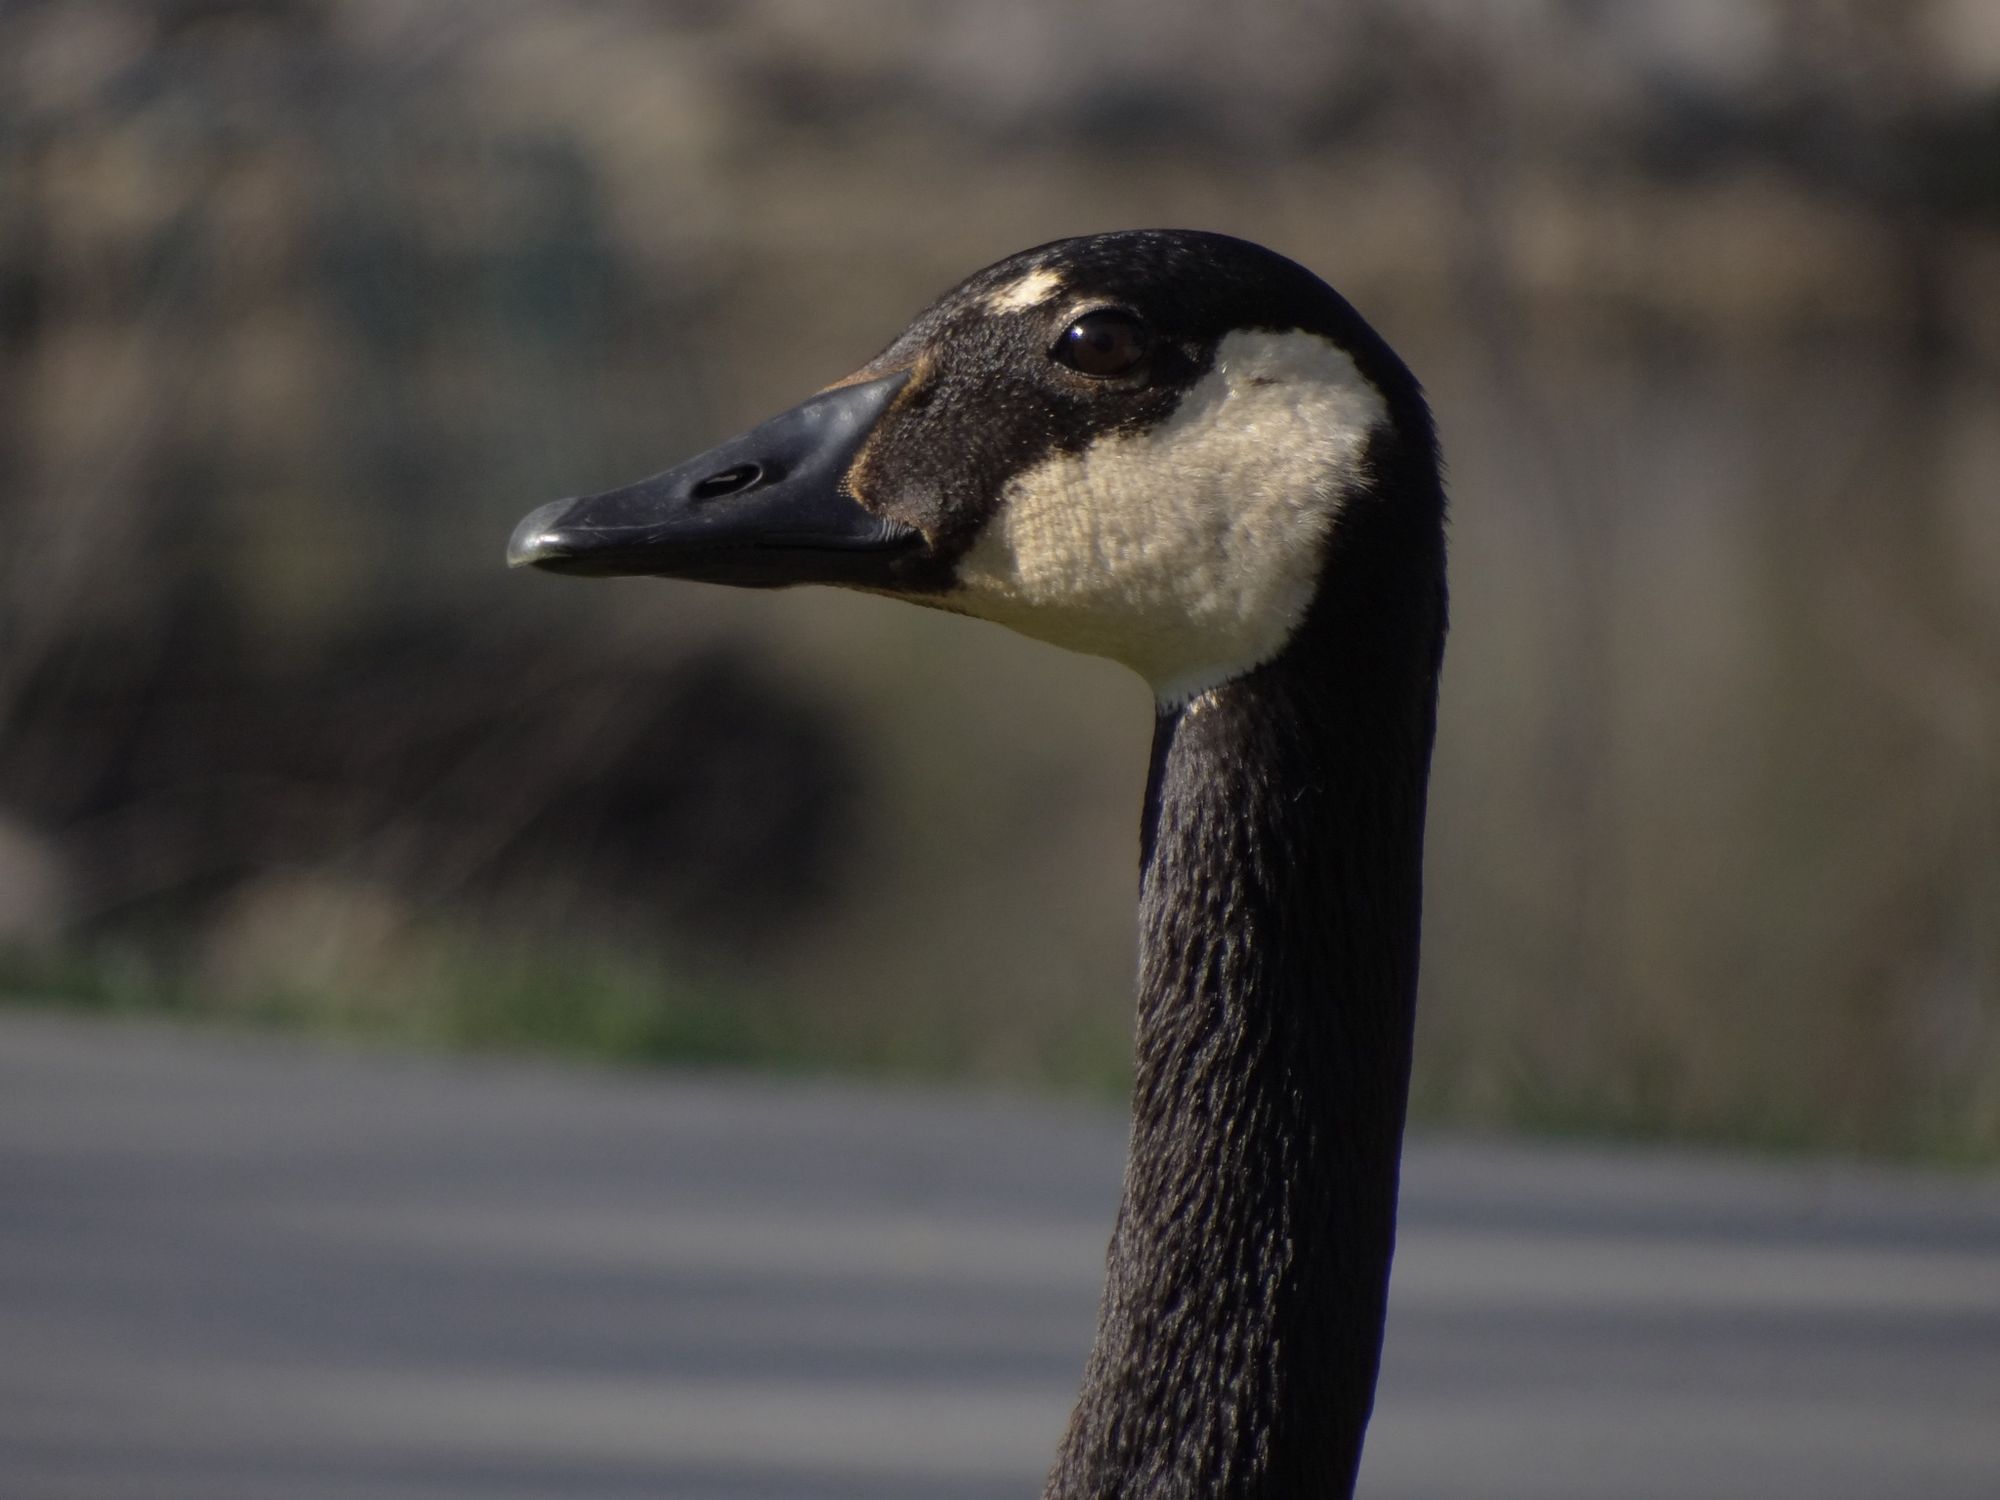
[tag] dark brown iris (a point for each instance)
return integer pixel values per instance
(1104, 343)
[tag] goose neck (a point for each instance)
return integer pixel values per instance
(1240, 1330)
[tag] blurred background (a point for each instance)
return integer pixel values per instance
(304, 302)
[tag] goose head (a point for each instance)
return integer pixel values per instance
(1141, 445)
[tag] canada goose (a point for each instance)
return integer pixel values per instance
(1184, 452)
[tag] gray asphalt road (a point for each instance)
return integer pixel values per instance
(232, 1268)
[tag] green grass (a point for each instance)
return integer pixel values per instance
(464, 994)
(467, 992)
(582, 1004)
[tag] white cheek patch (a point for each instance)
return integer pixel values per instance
(1190, 550)
(1032, 290)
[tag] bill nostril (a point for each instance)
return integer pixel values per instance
(727, 482)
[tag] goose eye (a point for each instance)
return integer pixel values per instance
(1104, 343)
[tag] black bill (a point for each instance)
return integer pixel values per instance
(763, 510)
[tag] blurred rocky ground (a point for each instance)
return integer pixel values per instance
(303, 302)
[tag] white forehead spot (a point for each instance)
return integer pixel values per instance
(1188, 550)
(1031, 290)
